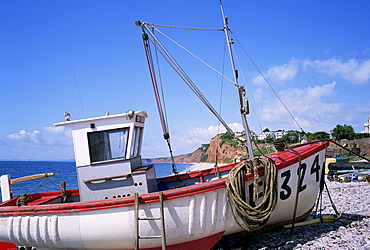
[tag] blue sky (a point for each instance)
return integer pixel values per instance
(316, 55)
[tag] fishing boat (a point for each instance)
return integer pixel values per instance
(121, 204)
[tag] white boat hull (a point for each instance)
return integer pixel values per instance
(191, 213)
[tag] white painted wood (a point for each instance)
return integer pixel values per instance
(6, 187)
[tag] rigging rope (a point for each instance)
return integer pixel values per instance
(220, 111)
(187, 28)
(268, 83)
(250, 105)
(155, 86)
(194, 88)
(182, 47)
(161, 87)
(182, 74)
(166, 135)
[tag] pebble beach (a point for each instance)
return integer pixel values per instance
(351, 231)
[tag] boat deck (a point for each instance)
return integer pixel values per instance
(44, 198)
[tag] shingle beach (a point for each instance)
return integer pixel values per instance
(352, 231)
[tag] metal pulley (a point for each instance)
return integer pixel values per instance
(244, 109)
(166, 136)
(145, 36)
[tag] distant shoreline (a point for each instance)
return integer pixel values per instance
(200, 166)
(71, 160)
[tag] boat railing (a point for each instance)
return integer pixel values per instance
(6, 183)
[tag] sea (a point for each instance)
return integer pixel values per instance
(63, 172)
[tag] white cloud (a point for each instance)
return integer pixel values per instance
(307, 106)
(353, 71)
(189, 140)
(185, 141)
(47, 135)
(48, 143)
(279, 73)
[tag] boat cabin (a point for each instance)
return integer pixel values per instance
(108, 156)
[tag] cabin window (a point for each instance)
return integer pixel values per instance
(136, 143)
(108, 145)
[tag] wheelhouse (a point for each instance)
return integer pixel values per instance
(108, 156)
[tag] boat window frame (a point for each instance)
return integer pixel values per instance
(105, 153)
(137, 140)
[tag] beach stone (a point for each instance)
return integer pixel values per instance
(352, 231)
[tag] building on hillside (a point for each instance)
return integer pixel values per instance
(279, 134)
(263, 135)
(367, 126)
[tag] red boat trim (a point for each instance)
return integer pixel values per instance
(282, 159)
(7, 246)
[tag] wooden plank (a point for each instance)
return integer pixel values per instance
(30, 177)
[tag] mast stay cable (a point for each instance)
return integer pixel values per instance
(187, 28)
(182, 47)
(220, 111)
(268, 83)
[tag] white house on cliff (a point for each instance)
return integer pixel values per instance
(367, 126)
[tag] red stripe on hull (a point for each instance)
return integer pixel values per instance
(7, 246)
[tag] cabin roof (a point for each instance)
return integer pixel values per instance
(68, 123)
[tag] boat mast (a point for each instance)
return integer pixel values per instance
(243, 104)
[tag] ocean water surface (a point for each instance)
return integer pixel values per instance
(63, 171)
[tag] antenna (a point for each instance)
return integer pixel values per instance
(79, 95)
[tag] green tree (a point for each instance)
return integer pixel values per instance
(319, 136)
(269, 139)
(361, 136)
(266, 130)
(343, 132)
(291, 137)
(226, 137)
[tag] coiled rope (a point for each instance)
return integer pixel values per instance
(254, 217)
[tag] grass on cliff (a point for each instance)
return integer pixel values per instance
(226, 137)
